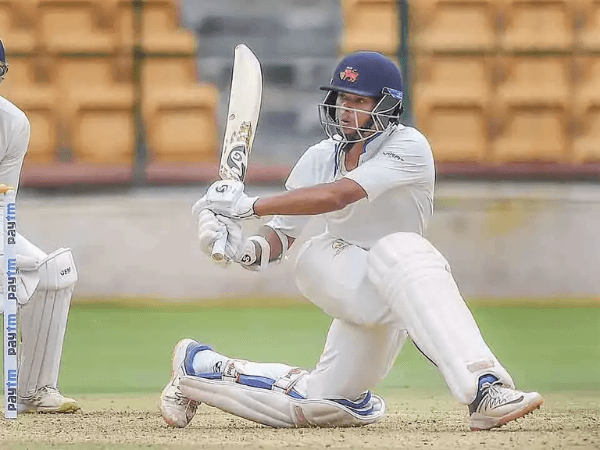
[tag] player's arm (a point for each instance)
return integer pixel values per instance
(227, 198)
(278, 242)
(313, 200)
(11, 163)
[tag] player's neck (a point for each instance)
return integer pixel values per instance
(353, 156)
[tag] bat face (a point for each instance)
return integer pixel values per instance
(242, 117)
(235, 166)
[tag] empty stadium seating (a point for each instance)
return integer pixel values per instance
(27, 86)
(452, 96)
(160, 30)
(370, 25)
(17, 25)
(73, 26)
(454, 25)
(588, 21)
(166, 72)
(533, 25)
(38, 102)
(532, 133)
(102, 125)
(533, 79)
(586, 146)
(182, 125)
(533, 104)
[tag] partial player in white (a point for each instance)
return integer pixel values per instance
(45, 283)
(371, 270)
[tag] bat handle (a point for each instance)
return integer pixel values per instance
(218, 251)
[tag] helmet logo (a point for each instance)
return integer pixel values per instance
(349, 74)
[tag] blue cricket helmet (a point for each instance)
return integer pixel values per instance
(3, 63)
(368, 74)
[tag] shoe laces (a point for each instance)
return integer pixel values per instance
(48, 390)
(496, 394)
(41, 392)
(180, 400)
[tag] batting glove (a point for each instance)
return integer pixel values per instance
(227, 198)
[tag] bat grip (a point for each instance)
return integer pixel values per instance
(218, 251)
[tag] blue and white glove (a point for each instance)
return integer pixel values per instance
(226, 198)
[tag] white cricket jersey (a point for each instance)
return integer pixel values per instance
(397, 172)
(14, 140)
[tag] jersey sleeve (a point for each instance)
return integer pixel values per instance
(313, 167)
(18, 141)
(400, 162)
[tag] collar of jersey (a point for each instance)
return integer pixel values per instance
(373, 144)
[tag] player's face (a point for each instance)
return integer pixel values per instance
(349, 116)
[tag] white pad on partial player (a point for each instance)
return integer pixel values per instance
(44, 321)
(415, 279)
(277, 403)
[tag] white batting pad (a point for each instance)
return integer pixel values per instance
(415, 279)
(275, 407)
(44, 322)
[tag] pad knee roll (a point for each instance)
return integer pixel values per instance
(415, 279)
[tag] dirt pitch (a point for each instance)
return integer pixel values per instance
(414, 420)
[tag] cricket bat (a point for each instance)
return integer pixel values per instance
(242, 118)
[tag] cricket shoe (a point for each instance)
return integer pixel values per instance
(178, 410)
(47, 399)
(497, 404)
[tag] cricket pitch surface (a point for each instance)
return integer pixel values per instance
(415, 419)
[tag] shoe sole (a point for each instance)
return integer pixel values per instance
(515, 415)
(63, 409)
(169, 422)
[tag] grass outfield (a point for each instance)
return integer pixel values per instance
(117, 359)
(112, 349)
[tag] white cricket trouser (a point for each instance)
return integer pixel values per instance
(371, 322)
(365, 336)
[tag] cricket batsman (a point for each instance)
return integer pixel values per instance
(45, 284)
(372, 271)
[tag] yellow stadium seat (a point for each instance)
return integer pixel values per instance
(370, 25)
(182, 125)
(535, 80)
(169, 71)
(452, 95)
(532, 133)
(24, 71)
(587, 85)
(533, 104)
(457, 132)
(586, 146)
(102, 125)
(160, 73)
(16, 25)
(72, 73)
(90, 87)
(538, 25)
(27, 86)
(453, 76)
(588, 32)
(160, 27)
(38, 103)
(454, 25)
(74, 26)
